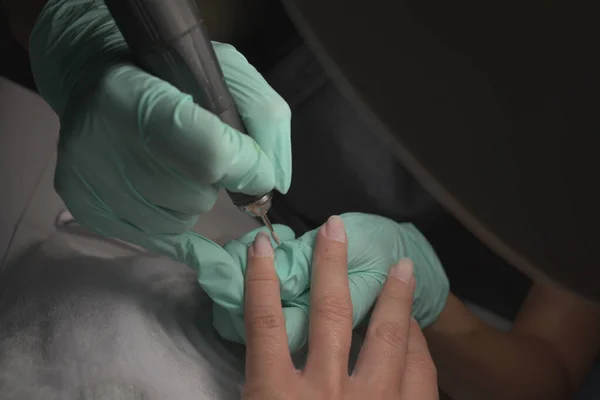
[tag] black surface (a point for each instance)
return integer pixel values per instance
(340, 165)
(15, 60)
(493, 106)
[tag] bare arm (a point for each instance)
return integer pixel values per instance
(546, 355)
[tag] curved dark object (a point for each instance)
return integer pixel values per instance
(493, 106)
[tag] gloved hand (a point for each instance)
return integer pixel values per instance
(374, 245)
(137, 159)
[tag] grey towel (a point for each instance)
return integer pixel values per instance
(123, 325)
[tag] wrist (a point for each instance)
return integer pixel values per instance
(455, 319)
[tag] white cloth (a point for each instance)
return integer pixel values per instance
(84, 318)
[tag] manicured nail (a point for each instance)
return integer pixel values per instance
(334, 229)
(262, 246)
(403, 271)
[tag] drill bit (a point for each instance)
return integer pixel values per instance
(258, 208)
(267, 223)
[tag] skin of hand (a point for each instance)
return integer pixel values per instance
(394, 362)
(553, 343)
(374, 243)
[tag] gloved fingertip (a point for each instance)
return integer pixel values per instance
(284, 232)
(282, 182)
(257, 179)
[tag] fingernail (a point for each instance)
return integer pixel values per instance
(403, 271)
(334, 229)
(262, 246)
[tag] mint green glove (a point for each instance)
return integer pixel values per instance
(374, 245)
(137, 159)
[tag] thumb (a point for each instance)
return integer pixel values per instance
(265, 113)
(183, 136)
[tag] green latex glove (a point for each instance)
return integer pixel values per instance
(374, 245)
(138, 159)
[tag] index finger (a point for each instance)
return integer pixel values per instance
(267, 354)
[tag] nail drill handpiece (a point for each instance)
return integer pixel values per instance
(168, 39)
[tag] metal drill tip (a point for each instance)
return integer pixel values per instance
(267, 223)
(275, 237)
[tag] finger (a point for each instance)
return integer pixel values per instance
(136, 108)
(382, 358)
(284, 233)
(212, 152)
(230, 325)
(292, 260)
(265, 113)
(267, 352)
(420, 375)
(186, 137)
(330, 330)
(122, 205)
(169, 190)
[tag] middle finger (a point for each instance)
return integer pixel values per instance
(330, 329)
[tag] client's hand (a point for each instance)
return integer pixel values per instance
(394, 362)
(374, 243)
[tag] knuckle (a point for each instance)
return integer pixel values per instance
(331, 255)
(272, 108)
(252, 391)
(387, 392)
(335, 308)
(261, 319)
(332, 389)
(392, 334)
(423, 365)
(261, 390)
(261, 278)
(212, 174)
(229, 57)
(279, 108)
(396, 295)
(216, 162)
(221, 48)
